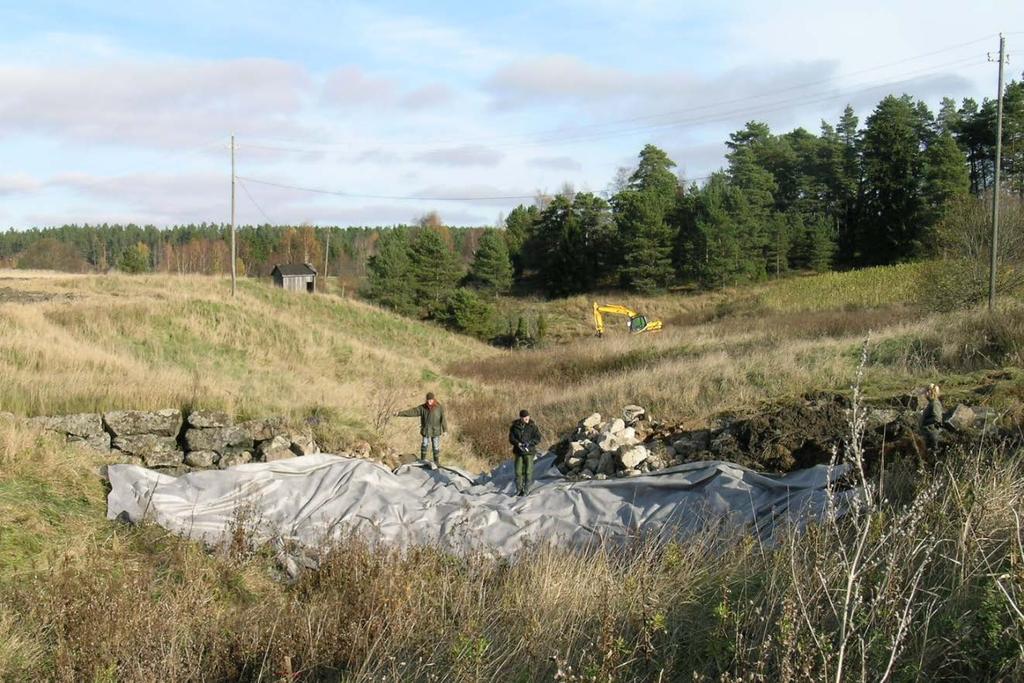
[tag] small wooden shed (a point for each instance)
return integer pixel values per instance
(295, 277)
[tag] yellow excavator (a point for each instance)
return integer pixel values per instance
(637, 321)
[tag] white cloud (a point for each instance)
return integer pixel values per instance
(464, 155)
(350, 86)
(432, 95)
(556, 163)
(18, 183)
(158, 104)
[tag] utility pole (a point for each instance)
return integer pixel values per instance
(995, 184)
(233, 274)
(327, 253)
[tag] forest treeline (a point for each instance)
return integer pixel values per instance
(850, 195)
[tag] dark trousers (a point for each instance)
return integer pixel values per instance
(524, 472)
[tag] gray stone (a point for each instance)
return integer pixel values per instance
(232, 459)
(361, 449)
(615, 426)
(576, 448)
(278, 448)
(265, 429)
(303, 444)
(601, 476)
(220, 439)
(632, 413)
(134, 422)
(879, 417)
(606, 464)
(962, 418)
(201, 458)
(631, 473)
(592, 421)
(148, 446)
(631, 456)
(573, 462)
(205, 419)
(99, 442)
(82, 425)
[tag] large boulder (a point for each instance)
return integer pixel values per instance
(134, 422)
(80, 425)
(592, 421)
(98, 442)
(232, 459)
(278, 448)
(205, 419)
(219, 439)
(962, 418)
(265, 429)
(632, 414)
(631, 456)
(615, 426)
(201, 459)
(304, 444)
(154, 450)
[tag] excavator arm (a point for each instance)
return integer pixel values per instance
(637, 321)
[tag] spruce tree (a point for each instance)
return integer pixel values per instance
(492, 269)
(641, 217)
(434, 272)
(389, 280)
(520, 227)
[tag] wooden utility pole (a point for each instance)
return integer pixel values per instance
(995, 183)
(233, 274)
(327, 253)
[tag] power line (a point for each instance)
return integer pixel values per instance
(359, 195)
(252, 199)
(646, 117)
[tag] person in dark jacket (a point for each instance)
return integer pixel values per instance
(433, 425)
(524, 437)
(931, 419)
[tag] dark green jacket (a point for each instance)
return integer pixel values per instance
(432, 422)
(932, 416)
(522, 434)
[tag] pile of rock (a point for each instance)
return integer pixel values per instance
(600, 448)
(171, 441)
(780, 438)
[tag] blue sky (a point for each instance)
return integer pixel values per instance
(123, 111)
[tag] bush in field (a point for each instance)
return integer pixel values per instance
(467, 312)
(960, 276)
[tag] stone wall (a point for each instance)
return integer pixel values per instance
(174, 442)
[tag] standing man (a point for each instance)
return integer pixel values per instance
(524, 437)
(433, 424)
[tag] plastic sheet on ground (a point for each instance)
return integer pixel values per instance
(312, 500)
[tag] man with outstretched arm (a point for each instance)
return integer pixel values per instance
(433, 425)
(524, 437)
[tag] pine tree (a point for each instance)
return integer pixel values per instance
(433, 270)
(946, 178)
(492, 269)
(572, 242)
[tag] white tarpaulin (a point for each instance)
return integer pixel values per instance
(317, 498)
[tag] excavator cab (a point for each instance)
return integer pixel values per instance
(638, 323)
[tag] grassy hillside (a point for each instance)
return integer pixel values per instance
(935, 594)
(106, 342)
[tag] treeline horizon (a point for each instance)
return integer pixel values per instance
(848, 196)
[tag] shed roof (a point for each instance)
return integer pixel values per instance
(293, 269)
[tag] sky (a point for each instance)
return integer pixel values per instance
(380, 112)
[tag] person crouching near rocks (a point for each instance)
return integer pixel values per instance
(524, 437)
(931, 418)
(433, 425)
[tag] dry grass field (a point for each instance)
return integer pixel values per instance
(924, 584)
